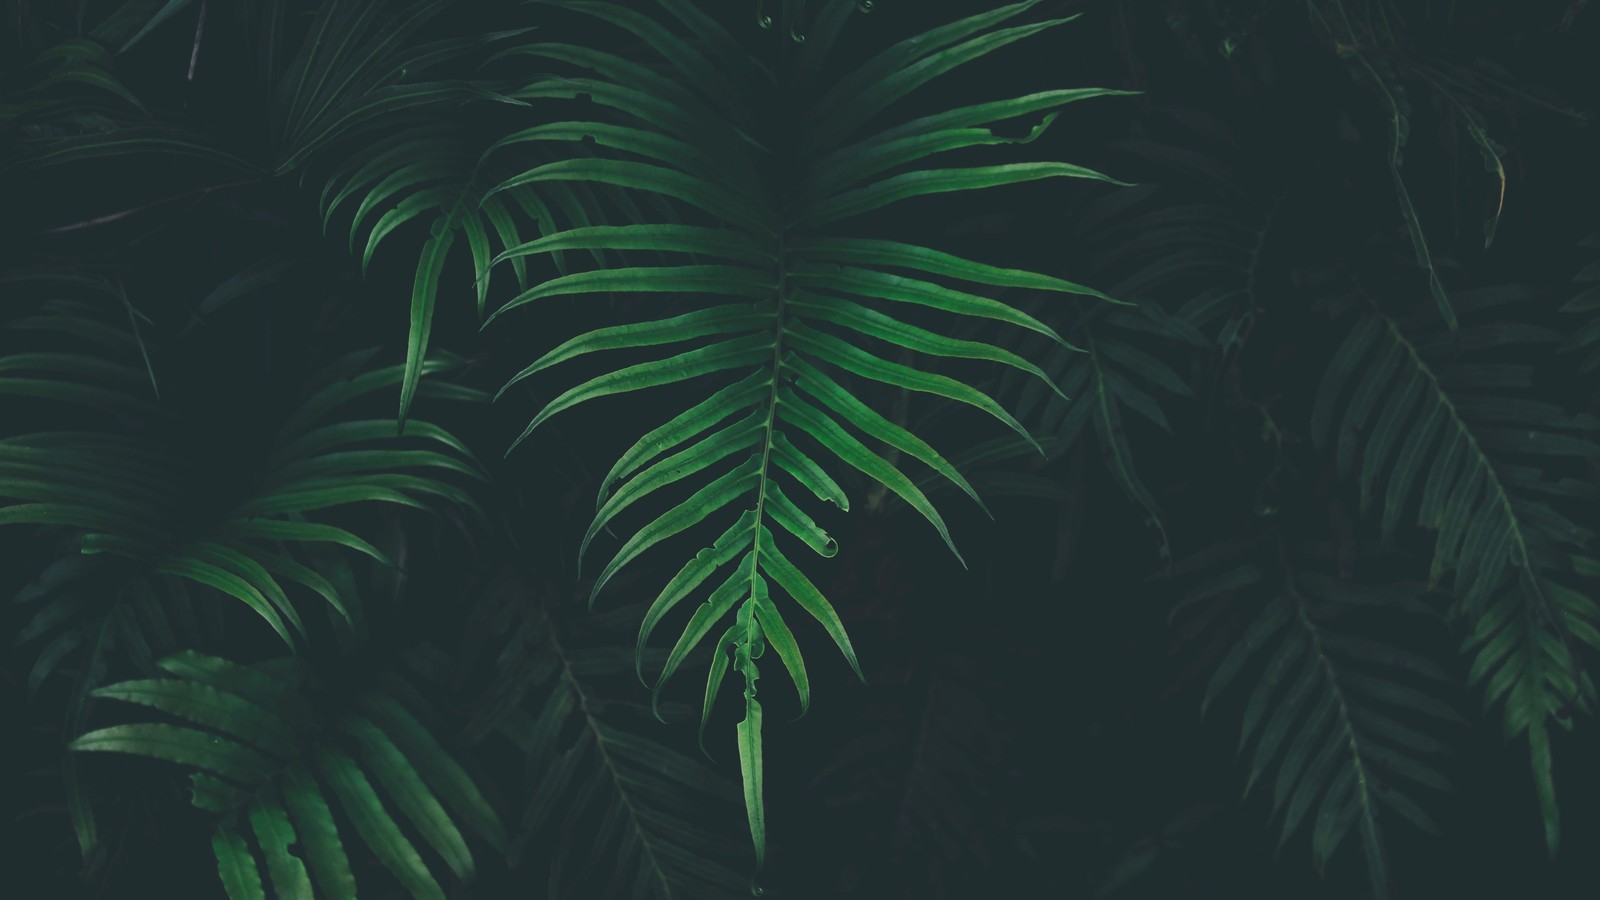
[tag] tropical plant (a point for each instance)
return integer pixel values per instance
(272, 756)
(783, 161)
(1338, 721)
(609, 810)
(308, 516)
(1491, 491)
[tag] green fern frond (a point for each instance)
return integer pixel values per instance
(1419, 413)
(1531, 664)
(611, 812)
(104, 461)
(769, 200)
(275, 749)
(1334, 715)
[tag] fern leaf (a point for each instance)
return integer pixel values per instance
(613, 813)
(1486, 450)
(782, 252)
(296, 720)
(1330, 712)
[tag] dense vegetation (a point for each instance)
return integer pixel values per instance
(1158, 436)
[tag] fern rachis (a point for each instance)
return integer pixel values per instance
(805, 295)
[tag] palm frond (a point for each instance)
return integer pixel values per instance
(275, 749)
(1410, 409)
(124, 490)
(109, 469)
(356, 68)
(799, 302)
(432, 170)
(76, 75)
(72, 106)
(1336, 717)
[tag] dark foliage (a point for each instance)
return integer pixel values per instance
(1180, 414)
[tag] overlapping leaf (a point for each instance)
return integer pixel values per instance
(1116, 376)
(1434, 422)
(124, 487)
(610, 812)
(273, 756)
(792, 307)
(1183, 253)
(431, 171)
(356, 66)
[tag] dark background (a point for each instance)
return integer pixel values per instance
(1031, 724)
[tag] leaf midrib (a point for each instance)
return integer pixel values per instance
(1520, 557)
(1361, 787)
(772, 416)
(645, 838)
